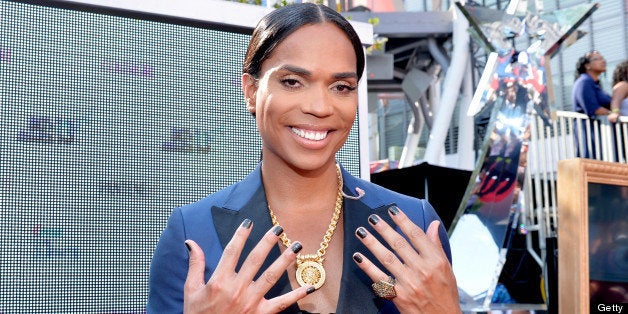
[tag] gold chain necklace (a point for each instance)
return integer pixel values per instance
(310, 271)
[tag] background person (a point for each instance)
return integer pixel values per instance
(589, 98)
(359, 248)
(619, 97)
(619, 105)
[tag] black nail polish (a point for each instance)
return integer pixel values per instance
(357, 257)
(394, 210)
(361, 232)
(277, 230)
(373, 219)
(310, 290)
(246, 223)
(188, 246)
(296, 247)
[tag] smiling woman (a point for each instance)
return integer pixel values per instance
(311, 252)
(305, 102)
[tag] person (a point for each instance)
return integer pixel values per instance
(300, 234)
(619, 96)
(619, 107)
(589, 98)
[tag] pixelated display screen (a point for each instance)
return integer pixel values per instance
(107, 123)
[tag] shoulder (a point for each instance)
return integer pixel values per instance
(583, 80)
(390, 195)
(376, 196)
(419, 211)
(621, 88)
(579, 80)
(215, 199)
(232, 197)
(195, 220)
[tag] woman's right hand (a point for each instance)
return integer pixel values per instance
(228, 291)
(613, 116)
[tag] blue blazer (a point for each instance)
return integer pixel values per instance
(212, 221)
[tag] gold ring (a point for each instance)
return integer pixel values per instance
(385, 288)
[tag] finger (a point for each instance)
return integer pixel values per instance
(271, 275)
(258, 255)
(196, 269)
(398, 243)
(384, 255)
(416, 235)
(233, 249)
(282, 302)
(432, 233)
(369, 268)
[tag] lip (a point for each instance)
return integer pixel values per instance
(311, 137)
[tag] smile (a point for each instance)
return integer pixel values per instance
(309, 134)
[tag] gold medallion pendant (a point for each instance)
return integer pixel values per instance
(310, 272)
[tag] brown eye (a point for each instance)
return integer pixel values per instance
(291, 83)
(344, 89)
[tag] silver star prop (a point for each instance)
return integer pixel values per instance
(512, 85)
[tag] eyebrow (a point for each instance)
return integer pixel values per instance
(304, 72)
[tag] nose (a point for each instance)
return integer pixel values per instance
(318, 102)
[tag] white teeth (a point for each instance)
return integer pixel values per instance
(310, 135)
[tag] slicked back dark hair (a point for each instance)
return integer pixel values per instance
(280, 23)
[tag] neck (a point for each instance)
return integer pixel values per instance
(302, 193)
(594, 75)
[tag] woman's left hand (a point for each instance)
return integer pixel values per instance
(425, 282)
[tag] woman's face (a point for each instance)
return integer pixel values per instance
(597, 63)
(305, 99)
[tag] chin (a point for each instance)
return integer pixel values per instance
(311, 163)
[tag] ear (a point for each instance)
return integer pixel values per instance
(249, 87)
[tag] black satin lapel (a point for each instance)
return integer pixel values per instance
(355, 287)
(226, 222)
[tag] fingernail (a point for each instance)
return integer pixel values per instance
(357, 257)
(188, 246)
(310, 289)
(373, 219)
(246, 223)
(277, 230)
(361, 232)
(296, 247)
(394, 210)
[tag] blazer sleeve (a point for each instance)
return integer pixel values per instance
(431, 215)
(168, 269)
